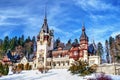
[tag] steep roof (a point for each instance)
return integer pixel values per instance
(83, 35)
(45, 26)
(91, 49)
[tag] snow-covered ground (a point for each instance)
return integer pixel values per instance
(54, 74)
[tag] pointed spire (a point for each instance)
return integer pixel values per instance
(83, 35)
(45, 12)
(83, 26)
(45, 15)
(94, 44)
(45, 25)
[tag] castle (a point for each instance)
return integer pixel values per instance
(47, 56)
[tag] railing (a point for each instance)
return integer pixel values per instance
(49, 59)
(61, 59)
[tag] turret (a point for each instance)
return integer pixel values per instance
(84, 44)
(83, 37)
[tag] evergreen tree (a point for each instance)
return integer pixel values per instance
(117, 47)
(82, 68)
(16, 41)
(100, 50)
(1, 48)
(28, 39)
(107, 51)
(111, 42)
(33, 44)
(1, 42)
(19, 41)
(69, 41)
(1, 68)
(4, 69)
(112, 48)
(33, 39)
(22, 40)
(76, 41)
(6, 43)
(57, 42)
(12, 44)
(28, 47)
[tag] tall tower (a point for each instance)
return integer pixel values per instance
(44, 44)
(83, 45)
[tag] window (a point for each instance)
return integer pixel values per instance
(92, 61)
(75, 53)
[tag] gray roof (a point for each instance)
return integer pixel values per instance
(45, 26)
(83, 35)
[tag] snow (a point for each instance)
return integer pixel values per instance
(53, 74)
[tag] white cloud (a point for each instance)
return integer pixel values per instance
(99, 33)
(115, 33)
(7, 24)
(33, 15)
(63, 33)
(94, 5)
(57, 30)
(97, 17)
(77, 30)
(11, 14)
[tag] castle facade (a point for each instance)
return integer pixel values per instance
(47, 56)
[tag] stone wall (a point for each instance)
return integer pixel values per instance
(113, 68)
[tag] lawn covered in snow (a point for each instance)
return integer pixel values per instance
(54, 74)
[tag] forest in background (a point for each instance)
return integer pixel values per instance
(28, 46)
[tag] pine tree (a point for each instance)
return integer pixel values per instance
(6, 43)
(12, 44)
(57, 42)
(1, 68)
(69, 44)
(22, 40)
(16, 41)
(33, 39)
(1, 48)
(28, 47)
(76, 41)
(28, 39)
(100, 50)
(111, 42)
(82, 68)
(107, 51)
(112, 48)
(117, 48)
(69, 41)
(33, 44)
(4, 69)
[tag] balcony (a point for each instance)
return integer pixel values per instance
(61, 59)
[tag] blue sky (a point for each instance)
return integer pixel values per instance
(101, 18)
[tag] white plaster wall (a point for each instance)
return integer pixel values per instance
(94, 60)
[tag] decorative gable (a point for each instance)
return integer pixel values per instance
(24, 60)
